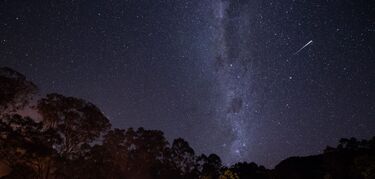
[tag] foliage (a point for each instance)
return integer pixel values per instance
(15, 90)
(76, 120)
(74, 139)
(25, 144)
(228, 174)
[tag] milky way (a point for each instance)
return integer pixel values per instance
(219, 73)
(233, 79)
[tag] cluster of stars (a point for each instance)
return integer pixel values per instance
(219, 73)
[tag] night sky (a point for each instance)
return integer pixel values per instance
(248, 80)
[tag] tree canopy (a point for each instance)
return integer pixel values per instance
(15, 90)
(74, 139)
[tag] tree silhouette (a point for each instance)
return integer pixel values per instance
(15, 90)
(209, 166)
(183, 157)
(249, 170)
(73, 139)
(228, 174)
(76, 120)
(25, 144)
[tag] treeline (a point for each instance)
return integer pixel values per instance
(72, 138)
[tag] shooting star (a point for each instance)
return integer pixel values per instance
(307, 44)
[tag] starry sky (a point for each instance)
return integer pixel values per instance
(248, 80)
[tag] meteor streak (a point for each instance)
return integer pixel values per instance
(307, 44)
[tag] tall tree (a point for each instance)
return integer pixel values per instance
(210, 166)
(147, 152)
(183, 158)
(76, 120)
